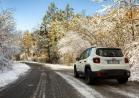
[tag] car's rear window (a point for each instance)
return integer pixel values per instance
(109, 52)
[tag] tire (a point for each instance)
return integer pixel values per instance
(122, 80)
(76, 74)
(88, 78)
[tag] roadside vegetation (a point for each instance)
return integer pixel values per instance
(64, 34)
(9, 39)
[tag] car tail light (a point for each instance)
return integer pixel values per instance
(96, 60)
(98, 74)
(126, 60)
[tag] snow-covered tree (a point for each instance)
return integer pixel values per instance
(132, 52)
(8, 48)
(70, 46)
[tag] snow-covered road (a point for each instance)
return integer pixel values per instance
(42, 82)
(104, 89)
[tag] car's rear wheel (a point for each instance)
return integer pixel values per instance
(122, 80)
(88, 78)
(76, 74)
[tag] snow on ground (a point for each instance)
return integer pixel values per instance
(132, 51)
(87, 91)
(10, 76)
(122, 92)
(58, 67)
(82, 88)
(133, 54)
(52, 66)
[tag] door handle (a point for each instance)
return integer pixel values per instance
(80, 62)
(84, 61)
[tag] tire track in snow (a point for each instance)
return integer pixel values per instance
(121, 92)
(129, 87)
(85, 90)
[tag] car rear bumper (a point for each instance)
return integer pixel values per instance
(111, 74)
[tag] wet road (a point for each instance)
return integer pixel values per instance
(40, 82)
(110, 88)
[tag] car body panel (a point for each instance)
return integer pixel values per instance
(103, 65)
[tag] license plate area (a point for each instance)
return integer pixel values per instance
(113, 62)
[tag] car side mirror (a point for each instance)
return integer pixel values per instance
(77, 59)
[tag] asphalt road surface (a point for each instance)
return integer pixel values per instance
(110, 88)
(40, 82)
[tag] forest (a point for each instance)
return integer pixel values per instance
(64, 34)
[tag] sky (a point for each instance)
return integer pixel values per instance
(28, 13)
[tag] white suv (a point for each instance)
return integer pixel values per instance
(102, 63)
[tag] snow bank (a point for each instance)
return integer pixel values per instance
(58, 67)
(10, 76)
(132, 51)
(52, 66)
(122, 92)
